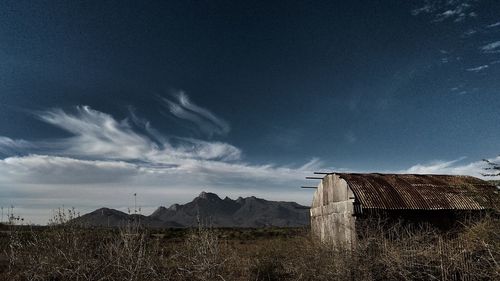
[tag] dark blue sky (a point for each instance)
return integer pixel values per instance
(361, 85)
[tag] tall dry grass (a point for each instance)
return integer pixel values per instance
(65, 251)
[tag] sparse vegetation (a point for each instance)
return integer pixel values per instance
(67, 251)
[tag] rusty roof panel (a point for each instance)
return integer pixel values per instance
(419, 192)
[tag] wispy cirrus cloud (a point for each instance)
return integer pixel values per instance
(469, 32)
(10, 146)
(492, 47)
(57, 170)
(206, 121)
(477, 68)
(453, 167)
(493, 25)
(98, 135)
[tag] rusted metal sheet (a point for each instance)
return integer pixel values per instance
(419, 192)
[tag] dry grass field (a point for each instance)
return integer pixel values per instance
(70, 252)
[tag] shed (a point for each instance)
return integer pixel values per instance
(342, 200)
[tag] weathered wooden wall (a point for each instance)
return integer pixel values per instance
(332, 219)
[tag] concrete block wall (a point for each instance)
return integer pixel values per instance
(332, 219)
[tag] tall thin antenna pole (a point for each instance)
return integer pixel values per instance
(135, 203)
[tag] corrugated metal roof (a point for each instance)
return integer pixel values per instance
(420, 192)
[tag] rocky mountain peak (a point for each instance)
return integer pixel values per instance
(174, 207)
(208, 196)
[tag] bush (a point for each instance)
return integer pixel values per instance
(268, 266)
(201, 257)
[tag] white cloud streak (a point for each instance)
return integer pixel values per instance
(99, 136)
(206, 121)
(454, 167)
(478, 68)
(36, 169)
(10, 146)
(492, 47)
(493, 25)
(96, 134)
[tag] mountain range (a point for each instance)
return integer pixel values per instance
(209, 210)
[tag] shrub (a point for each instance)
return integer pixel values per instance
(201, 257)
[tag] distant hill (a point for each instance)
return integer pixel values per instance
(209, 209)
